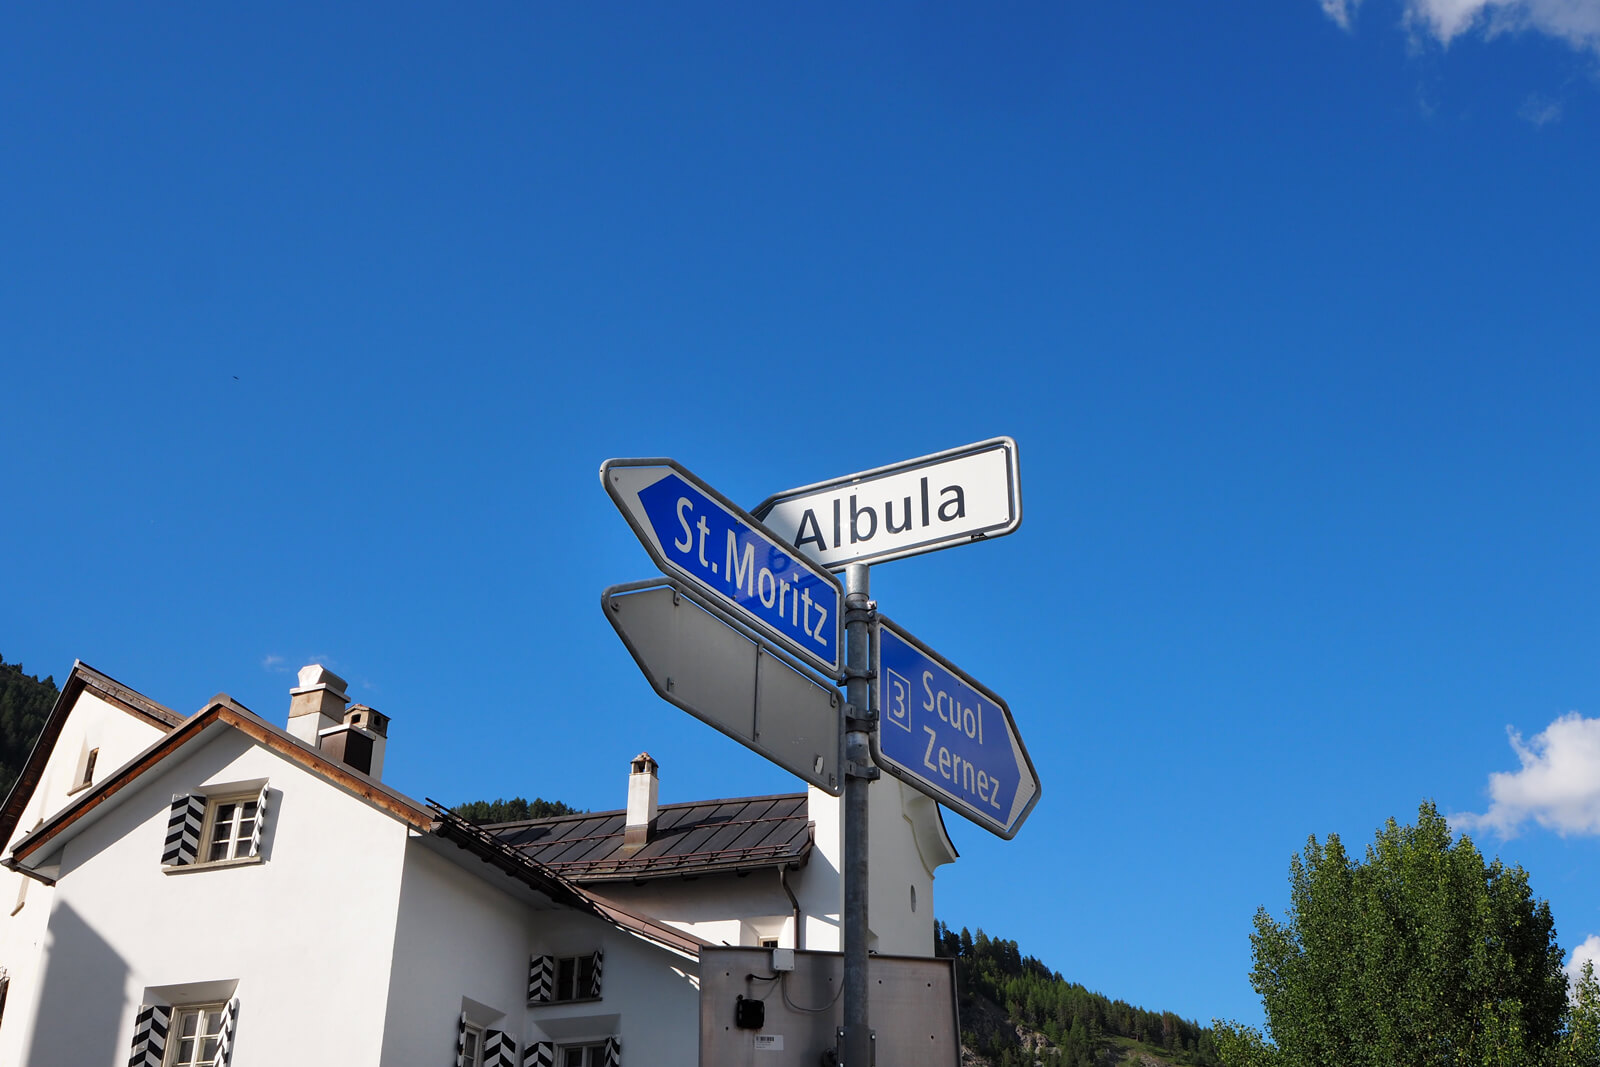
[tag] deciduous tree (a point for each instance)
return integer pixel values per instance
(1422, 953)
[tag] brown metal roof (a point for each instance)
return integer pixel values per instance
(713, 836)
(482, 842)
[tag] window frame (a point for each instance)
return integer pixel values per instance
(175, 1033)
(581, 978)
(83, 774)
(471, 1044)
(593, 1054)
(238, 842)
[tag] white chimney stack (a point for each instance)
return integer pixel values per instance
(643, 786)
(316, 704)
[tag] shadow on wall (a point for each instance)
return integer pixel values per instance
(81, 1000)
(821, 897)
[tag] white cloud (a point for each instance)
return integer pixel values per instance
(1589, 950)
(1446, 19)
(1558, 786)
(1341, 11)
(273, 663)
(1540, 110)
(1576, 22)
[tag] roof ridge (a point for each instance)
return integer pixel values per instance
(230, 713)
(576, 816)
(102, 681)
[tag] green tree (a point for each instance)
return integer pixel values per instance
(517, 809)
(25, 702)
(1581, 1046)
(1421, 954)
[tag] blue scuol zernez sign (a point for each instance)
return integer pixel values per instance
(940, 733)
(691, 531)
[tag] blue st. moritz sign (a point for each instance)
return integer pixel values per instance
(942, 733)
(694, 532)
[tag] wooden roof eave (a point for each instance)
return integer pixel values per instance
(223, 711)
(110, 690)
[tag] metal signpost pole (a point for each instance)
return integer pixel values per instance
(856, 1050)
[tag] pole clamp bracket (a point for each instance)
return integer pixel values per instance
(857, 608)
(865, 771)
(858, 719)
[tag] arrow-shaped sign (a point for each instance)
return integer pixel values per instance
(696, 533)
(942, 733)
(950, 498)
(716, 673)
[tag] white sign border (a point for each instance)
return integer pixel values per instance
(969, 812)
(835, 670)
(1013, 474)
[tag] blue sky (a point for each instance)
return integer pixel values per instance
(316, 325)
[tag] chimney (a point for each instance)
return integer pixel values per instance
(317, 704)
(642, 788)
(360, 742)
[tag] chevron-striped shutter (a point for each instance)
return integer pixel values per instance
(461, 1041)
(541, 979)
(540, 1054)
(261, 822)
(613, 1052)
(594, 981)
(499, 1049)
(230, 1016)
(150, 1035)
(187, 816)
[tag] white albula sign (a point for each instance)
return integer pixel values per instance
(953, 497)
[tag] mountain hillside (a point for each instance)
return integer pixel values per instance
(1015, 1011)
(25, 701)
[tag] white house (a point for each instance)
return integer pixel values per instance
(221, 890)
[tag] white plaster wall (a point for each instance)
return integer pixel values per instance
(654, 992)
(307, 934)
(456, 937)
(899, 882)
(92, 723)
(719, 908)
(465, 941)
(819, 885)
(895, 868)
(737, 911)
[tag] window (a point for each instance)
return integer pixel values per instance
(231, 828)
(769, 942)
(88, 767)
(471, 1045)
(480, 1046)
(574, 977)
(219, 828)
(185, 1035)
(583, 1055)
(196, 1036)
(607, 1053)
(559, 978)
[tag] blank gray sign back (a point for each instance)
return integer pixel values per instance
(913, 1009)
(722, 677)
